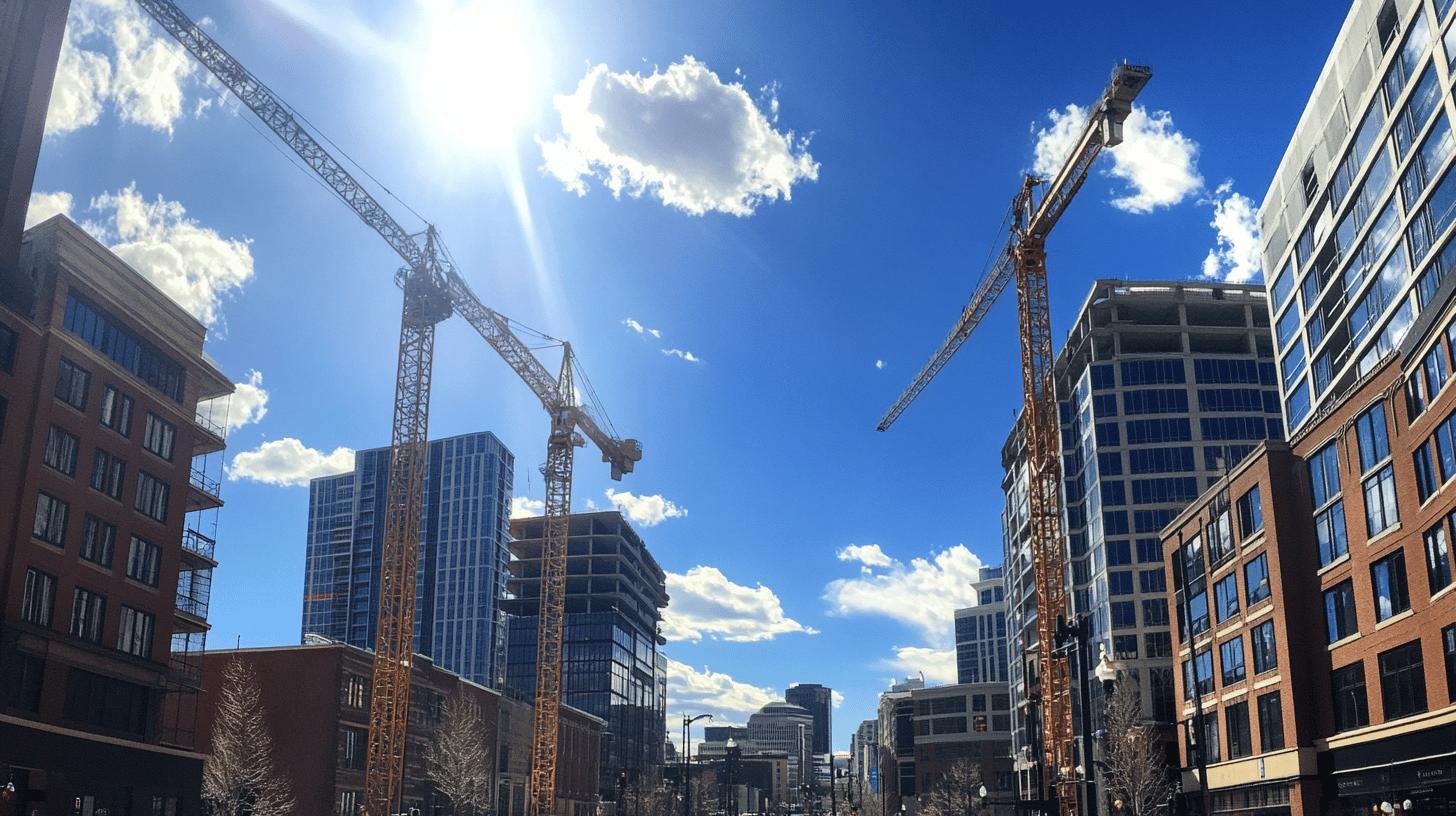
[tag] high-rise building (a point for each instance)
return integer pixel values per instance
(107, 526)
(981, 655)
(819, 701)
(612, 663)
(896, 731)
(462, 565)
(1160, 388)
(783, 726)
(1354, 220)
(864, 748)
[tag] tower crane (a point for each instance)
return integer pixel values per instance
(433, 291)
(1024, 260)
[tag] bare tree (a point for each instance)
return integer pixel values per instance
(458, 761)
(648, 796)
(957, 792)
(1136, 767)
(239, 778)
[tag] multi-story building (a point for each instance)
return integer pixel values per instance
(315, 704)
(963, 722)
(781, 726)
(819, 701)
(1353, 220)
(108, 495)
(612, 666)
(1160, 387)
(980, 631)
(462, 566)
(1355, 710)
(864, 749)
(896, 758)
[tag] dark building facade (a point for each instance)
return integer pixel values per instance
(612, 667)
(107, 516)
(819, 701)
(462, 565)
(316, 704)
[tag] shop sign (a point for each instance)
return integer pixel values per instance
(1416, 775)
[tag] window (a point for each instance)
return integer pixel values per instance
(38, 599)
(1380, 509)
(88, 615)
(144, 561)
(1426, 482)
(1154, 580)
(108, 474)
(1210, 738)
(1203, 669)
(1124, 615)
(1236, 717)
(1157, 431)
(349, 803)
(1271, 722)
(72, 384)
(159, 436)
(1448, 648)
(1351, 708)
(50, 519)
(1102, 378)
(9, 341)
(1374, 441)
(60, 450)
(1226, 598)
(116, 410)
(1149, 551)
(98, 541)
(1198, 610)
(354, 690)
(1231, 657)
(1119, 553)
(1329, 533)
(109, 337)
(1387, 582)
(151, 496)
(1156, 400)
(134, 634)
(1157, 644)
(1160, 460)
(1119, 583)
(1125, 647)
(1256, 580)
(1324, 474)
(1220, 538)
(1155, 612)
(1340, 611)
(351, 748)
(1251, 513)
(1176, 489)
(1261, 637)
(1152, 372)
(1446, 447)
(1403, 681)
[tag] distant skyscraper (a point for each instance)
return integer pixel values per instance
(783, 726)
(463, 554)
(981, 632)
(818, 701)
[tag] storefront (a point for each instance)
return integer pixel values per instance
(1407, 774)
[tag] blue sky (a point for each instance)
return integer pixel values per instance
(801, 221)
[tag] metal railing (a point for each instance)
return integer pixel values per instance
(199, 544)
(210, 425)
(208, 485)
(197, 607)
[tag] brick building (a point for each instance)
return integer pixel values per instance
(1317, 582)
(105, 567)
(316, 700)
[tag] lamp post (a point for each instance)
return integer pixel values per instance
(687, 760)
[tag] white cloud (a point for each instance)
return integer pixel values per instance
(923, 595)
(705, 603)
(837, 698)
(938, 665)
(682, 134)
(142, 77)
(192, 264)
(868, 554)
(522, 507)
(45, 205)
(641, 329)
(1235, 256)
(682, 355)
(716, 693)
(288, 463)
(879, 364)
(648, 511)
(1158, 163)
(247, 405)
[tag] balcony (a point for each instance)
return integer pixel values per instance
(213, 435)
(204, 491)
(194, 591)
(198, 549)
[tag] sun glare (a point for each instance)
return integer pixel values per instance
(476, 83)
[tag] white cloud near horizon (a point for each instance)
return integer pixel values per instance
(648, 511)
(1158, 163)
(287, 462)
(703, 602)
(1235, 256)
(680, 134)
(708, 692)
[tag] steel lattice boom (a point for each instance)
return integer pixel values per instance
(433, 290)
(1024, 261)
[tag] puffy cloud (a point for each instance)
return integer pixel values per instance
(716, 693)
(938, 665)
(648, 511)
(45, 205)
(288, 463)
(1158, 163)
(868, 554)
(879, 364)
(142, 77)
(522, 507)
(193, 264)
(923, 595)
(1235, 256)
(704, 602)
(837, 698)
(641, 329)
(682, 134)
(247, 405)
(682, 355)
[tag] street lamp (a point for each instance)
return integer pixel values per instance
(688, 758)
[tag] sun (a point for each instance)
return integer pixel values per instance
(476, 77)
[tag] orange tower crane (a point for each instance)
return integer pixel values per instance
(1024, 260)
(433, 291)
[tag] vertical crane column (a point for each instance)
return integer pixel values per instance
(425, 304)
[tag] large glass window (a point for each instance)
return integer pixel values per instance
(109, 337)
(116, 410)
(1340, 612)
(134, 634)
(1220, 537)
(144, 562)
(98, 541)
(1438, 557)
(1351, 708)
(151, 496)
(1155, 401)
(1403, 681)
(1179, 489)
(1329, 531)
(159, 436)
(1256, 579)
(1203, 670)
(60, 450)
(38, 597)
(1426, 483)
(1388, 583)
(1446, 447)
(1231, 658)
(50, 519)
(1160, 460)
(1271, 722)
(1251, 513)
(1374, 440)
(88, 614)
(1152, 372)
(1381, 512)
(73, 383)
(1119, 582)
(1266, 657)
(108, 474)
(1236, 717)
(1448, 648)
(1226, 598)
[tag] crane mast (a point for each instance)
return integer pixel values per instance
(1024, 261)
(433, 291)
